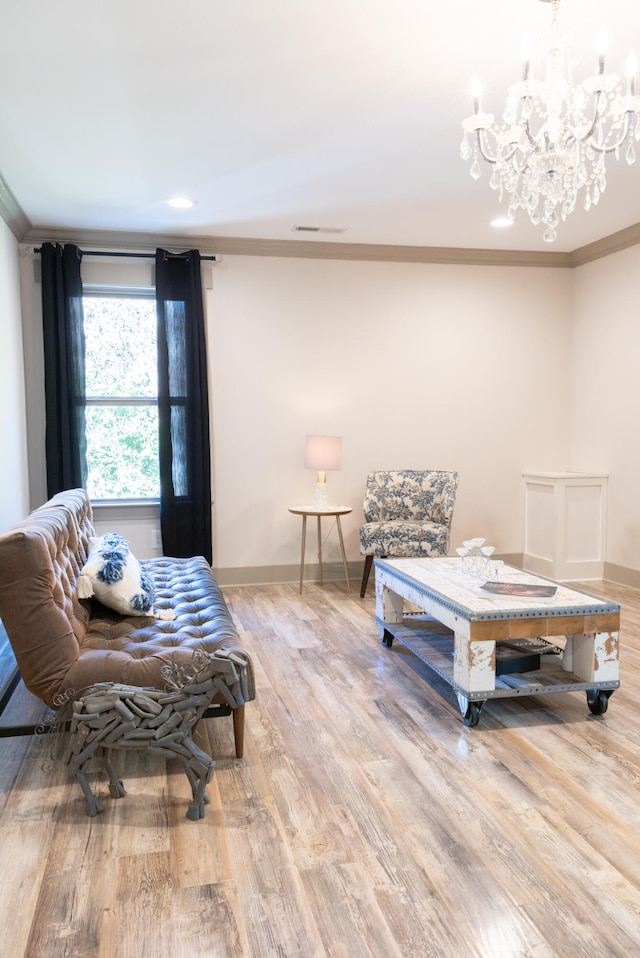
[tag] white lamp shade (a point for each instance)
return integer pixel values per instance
(323, 452)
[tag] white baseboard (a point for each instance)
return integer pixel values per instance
(270, 575)
(334, 572)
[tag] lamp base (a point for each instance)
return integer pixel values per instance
(321, 500)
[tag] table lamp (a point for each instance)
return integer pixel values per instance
(322, 453)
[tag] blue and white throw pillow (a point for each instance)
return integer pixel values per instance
(113, 574)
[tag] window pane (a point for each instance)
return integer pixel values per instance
(178, 450)
(121, 352)
(176, 332)
(122, 452)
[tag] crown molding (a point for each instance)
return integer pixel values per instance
(623, 239)
(12, 213)
(299, 249)
(312, 249)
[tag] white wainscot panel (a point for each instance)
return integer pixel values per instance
(565, 524)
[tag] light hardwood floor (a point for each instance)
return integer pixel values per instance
(365, 820)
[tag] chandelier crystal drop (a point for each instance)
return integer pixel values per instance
(551, 147)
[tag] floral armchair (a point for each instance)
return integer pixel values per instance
(407, 513)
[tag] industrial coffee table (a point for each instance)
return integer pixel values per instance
(575, 634)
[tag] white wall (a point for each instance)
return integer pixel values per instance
(605, 399)
(416, 366)
(493, 371)
(13, 441)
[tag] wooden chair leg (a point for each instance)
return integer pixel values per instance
(238, 730)
(368, 562)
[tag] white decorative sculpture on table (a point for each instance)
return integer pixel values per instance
(476, 559)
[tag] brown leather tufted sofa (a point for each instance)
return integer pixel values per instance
(65, 644)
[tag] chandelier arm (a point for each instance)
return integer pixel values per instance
(483, 153)
(527, 129)
(592, 128)
(605, 150)
(594, 122)
(487, 156)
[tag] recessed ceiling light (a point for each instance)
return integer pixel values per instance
(180, 203)
(501, 221)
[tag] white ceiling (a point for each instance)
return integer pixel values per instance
(272, 113)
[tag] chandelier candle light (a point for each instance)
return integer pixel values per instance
(555, 136)
(322, 453)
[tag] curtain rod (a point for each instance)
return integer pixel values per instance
(214, 258)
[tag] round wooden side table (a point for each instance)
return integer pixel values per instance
(329, 511)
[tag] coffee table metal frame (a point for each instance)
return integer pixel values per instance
(463, 653)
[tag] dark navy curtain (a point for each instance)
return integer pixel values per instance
(64, 359)
(183, 407)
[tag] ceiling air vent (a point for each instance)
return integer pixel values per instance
(319, 229)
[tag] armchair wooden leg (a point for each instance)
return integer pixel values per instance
(368, 562)
(238, 730)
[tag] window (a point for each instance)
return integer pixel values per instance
(121, 394)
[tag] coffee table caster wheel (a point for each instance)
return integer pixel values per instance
(387, 639)
(598, 700)
(470, 710)
(472, 716)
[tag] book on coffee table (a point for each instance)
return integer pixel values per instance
(527, 589)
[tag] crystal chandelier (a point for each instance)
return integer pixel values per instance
(555, 135)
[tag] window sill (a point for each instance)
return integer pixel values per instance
(131, 508)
